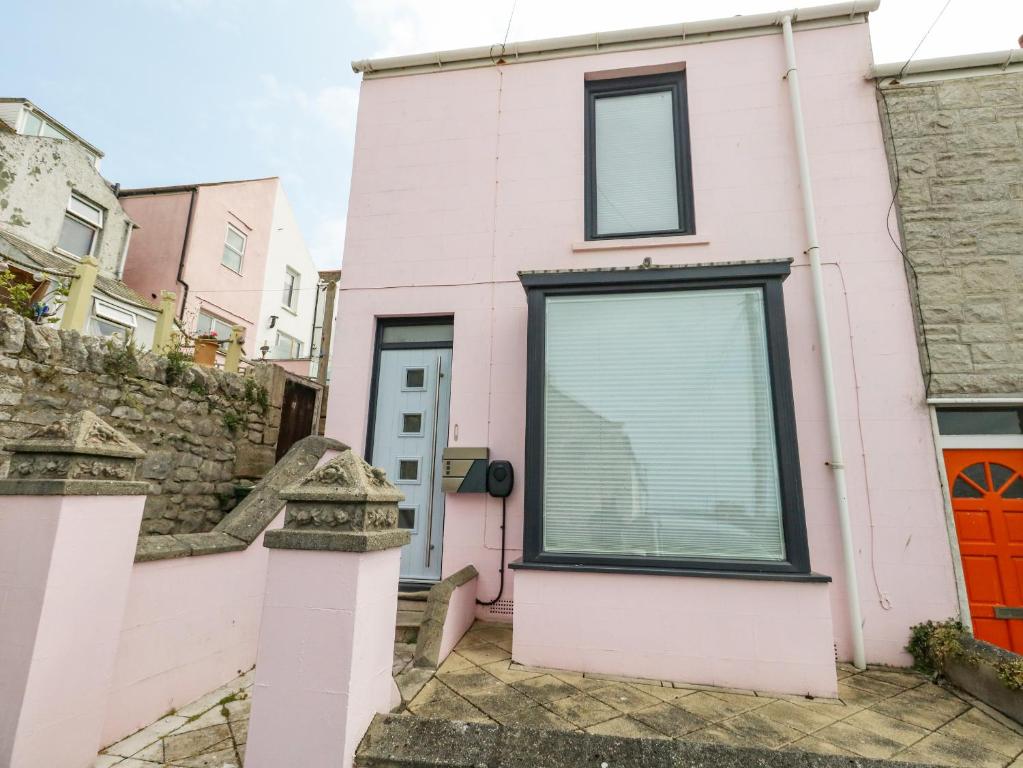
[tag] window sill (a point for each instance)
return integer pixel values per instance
(289, 309)
(813, 578)
(640, 242)
(230, 269)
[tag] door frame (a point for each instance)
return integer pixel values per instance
(379, 346)
(952, 442)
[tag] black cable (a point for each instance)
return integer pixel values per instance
(910, 267)
(500, 591)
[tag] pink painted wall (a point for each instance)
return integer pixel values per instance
(154, 251)
(763, 635)
(461, 614)
(153, 259)
(461, 178)
(65, 563)
(190, 625)
(248, 206)
(325, 655)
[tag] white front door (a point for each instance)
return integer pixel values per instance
(410, 429)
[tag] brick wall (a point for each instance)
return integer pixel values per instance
(201, 432)
(959, 146)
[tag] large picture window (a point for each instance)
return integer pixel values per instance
(660, 429)
(638, 180)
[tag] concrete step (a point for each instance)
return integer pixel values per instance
(406, 741)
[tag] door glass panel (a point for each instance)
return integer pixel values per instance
(976, 473)
(412, 423)
(1015, 489)
(408, 469)
(407, 518)
(1000, 475)
(415, 378)
(404, 334)
(980, 421)
(963, 490)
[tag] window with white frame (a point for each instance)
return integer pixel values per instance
(287, 347)
(234, 249)
(291, 285)
(207, 323)
(83, 222)
(35, 125)
(110, 320)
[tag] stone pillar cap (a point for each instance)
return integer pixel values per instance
(78, 455)
(345, 505)
(80, 433)
(345, 478)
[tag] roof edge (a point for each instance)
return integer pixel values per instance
(32, 106)
(998, 60)
(188, 187)
(607, 42)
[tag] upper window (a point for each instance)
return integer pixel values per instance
(82, 223)
(234, 249)
(1003, 420)
(291, 282)
(660, 422)
(287, 347)
(638, 181)
(207, 323)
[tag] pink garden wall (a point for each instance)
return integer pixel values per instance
(190, 625)
(462, 178)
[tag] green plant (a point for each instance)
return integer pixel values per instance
(16, 294)
(121, 358)
(232, 420)
(178, 363)
(933, 643)
(197, 386)
(256, 394)
(1010, 673)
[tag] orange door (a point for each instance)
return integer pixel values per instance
(987, 501)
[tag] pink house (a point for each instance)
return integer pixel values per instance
(234, 255)
(595, 257)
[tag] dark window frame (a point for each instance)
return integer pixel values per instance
(675, 82)
(768, 277)
(379, 345)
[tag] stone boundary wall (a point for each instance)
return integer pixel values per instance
(201, 429)
(959, 144)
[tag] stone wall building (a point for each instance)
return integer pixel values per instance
(954, 134)
(956, 153)
(55, 210)
(202, 430)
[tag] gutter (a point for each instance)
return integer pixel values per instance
(813, 249)
(620, 40)
(998, 61)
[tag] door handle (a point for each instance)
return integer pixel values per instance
(433, 464)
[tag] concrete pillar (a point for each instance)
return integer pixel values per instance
(233, 357)
(79, 299)
(69, 521)
(162, 342)
(326, 640)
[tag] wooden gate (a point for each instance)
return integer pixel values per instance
(987, 501)
(297, 411)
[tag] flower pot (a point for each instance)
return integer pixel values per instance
(206, 352)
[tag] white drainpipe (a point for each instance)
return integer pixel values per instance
(837, 463)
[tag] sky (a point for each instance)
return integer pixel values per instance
(185, 91)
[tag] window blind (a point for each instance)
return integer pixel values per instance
(635, 163)
(659, 427)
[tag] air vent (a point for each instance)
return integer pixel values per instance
(502, 608)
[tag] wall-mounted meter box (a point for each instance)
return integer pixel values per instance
(465, 470)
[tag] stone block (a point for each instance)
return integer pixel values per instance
(985, 333)
(984, 311)
(157, 465)
(253, 461)
(990, 353)
(950, 358)
(12, 332)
